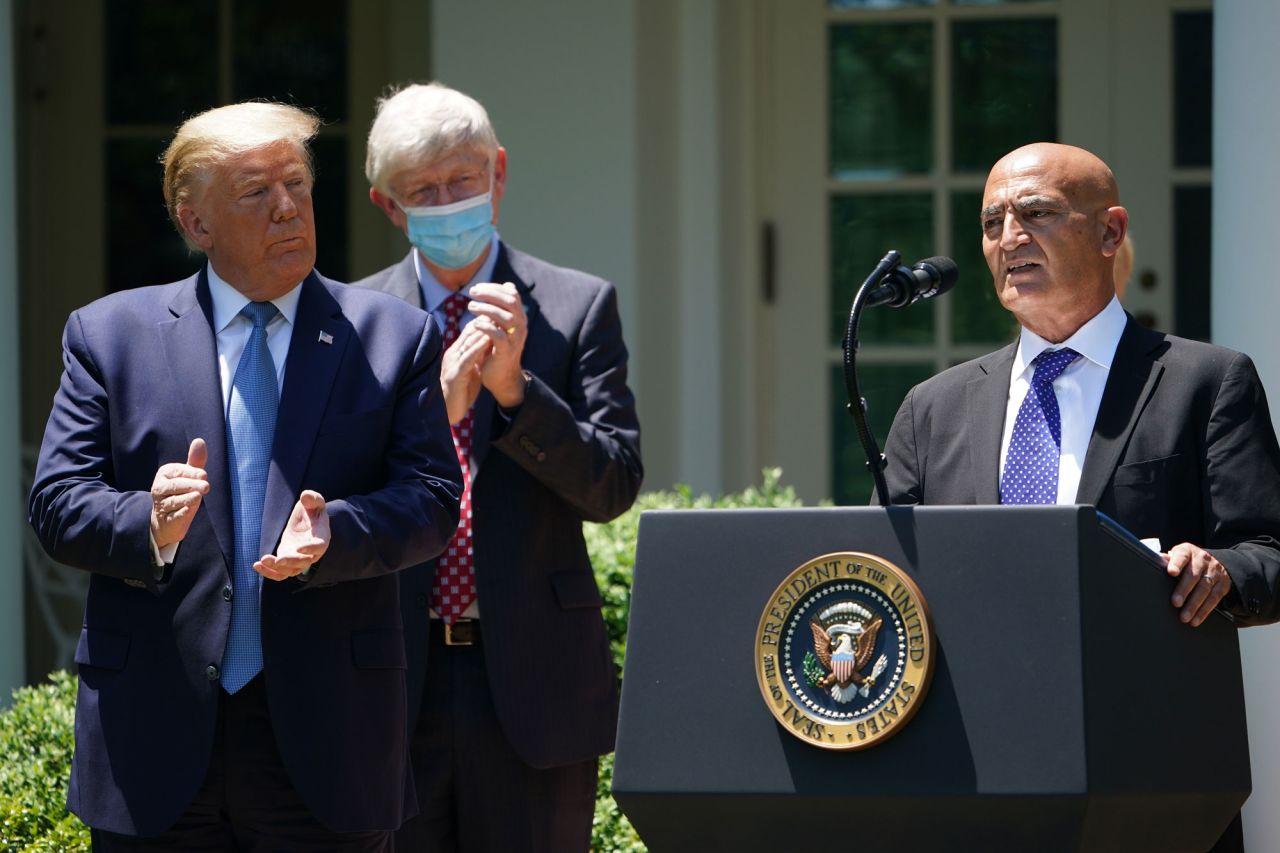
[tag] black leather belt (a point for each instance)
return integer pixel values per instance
(464, 632)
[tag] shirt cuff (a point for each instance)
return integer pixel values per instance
(161, 557)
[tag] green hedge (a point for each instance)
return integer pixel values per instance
(36, 731)
(613, 555)
(36, 740)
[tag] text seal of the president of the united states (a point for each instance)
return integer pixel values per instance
(844, 651)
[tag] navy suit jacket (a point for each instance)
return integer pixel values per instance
(361, 421)
(1182, 450)
(570, 453)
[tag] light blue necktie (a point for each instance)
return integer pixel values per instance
(251, 423)
(1035, 448)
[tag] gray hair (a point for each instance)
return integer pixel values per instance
(219, 135)
(420, 124)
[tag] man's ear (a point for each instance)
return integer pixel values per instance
(384, 203)
(1115, 224)
(194, 226)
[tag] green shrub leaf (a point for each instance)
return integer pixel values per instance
(612, 548)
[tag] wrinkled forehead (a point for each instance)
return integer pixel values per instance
(235, 171)
(1073, 177)
(276, 157)
(1014, 179)
(452, 164)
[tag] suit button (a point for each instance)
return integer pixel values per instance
(211, 672)
(422, 600)
(226, 593)
(1255, 604)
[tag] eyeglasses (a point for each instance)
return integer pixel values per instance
(458, 188)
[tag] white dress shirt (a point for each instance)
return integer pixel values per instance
(1078, 389)
(231, 333)
(232, 330)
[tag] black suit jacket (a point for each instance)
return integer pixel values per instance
(571, 453)
(361, 421)
(1183, 449)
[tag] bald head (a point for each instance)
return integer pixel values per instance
(1073, 169)
(1051, 225)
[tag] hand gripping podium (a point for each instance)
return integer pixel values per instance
(1069, 709)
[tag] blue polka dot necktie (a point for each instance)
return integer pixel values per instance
(1031, 466)
(251, 423)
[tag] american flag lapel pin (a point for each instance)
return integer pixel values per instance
(326, 338)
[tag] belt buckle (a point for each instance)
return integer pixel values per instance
(464, 637)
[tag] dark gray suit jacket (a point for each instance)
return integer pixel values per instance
(1183, 449)
(570, 453)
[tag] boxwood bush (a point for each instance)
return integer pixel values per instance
(35, 762)
(613, 556)
(36, 731)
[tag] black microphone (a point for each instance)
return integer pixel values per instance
(927, 279)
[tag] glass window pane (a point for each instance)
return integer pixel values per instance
(1193, 89)
(884, 386)
(330, 202)
(145, 82)
(293, 51)
(977, 315)
(136, 217)
(881, 89)
(1192, 231)
(863, 228)
(1004, 88)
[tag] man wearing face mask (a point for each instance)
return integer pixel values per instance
(510, 679)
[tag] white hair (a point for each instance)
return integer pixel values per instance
(219, 135)
(421, 124)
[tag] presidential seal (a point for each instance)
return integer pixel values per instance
(844, 651)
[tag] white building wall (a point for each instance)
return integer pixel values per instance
(1246, 309)
(558, 80)
(609, 115)
(12, 502)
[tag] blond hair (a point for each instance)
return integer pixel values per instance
(216, 136)
(421, 123)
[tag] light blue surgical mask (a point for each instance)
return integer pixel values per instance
(452, 235)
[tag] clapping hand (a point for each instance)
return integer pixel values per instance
(305, 539)
(176, 494)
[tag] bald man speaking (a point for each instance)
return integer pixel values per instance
(1170, 437)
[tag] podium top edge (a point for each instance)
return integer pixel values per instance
(1061, 509)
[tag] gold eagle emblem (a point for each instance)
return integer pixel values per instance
(844, 641)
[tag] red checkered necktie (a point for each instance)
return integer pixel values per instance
(455, 583)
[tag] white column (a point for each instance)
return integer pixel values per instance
(1246, 303)
(678, 244)
(12, 505)
(697, 208)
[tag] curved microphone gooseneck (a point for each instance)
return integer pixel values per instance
(857, 403)
(896, 286)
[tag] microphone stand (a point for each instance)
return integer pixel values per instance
(857, 403)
